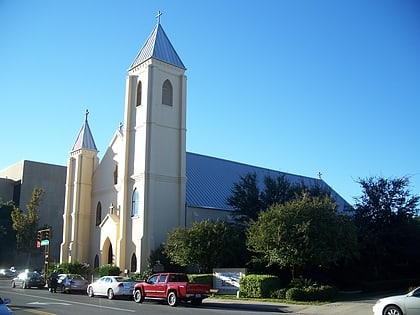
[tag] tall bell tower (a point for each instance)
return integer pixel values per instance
(155, 145)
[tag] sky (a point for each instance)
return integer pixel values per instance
(299, 86)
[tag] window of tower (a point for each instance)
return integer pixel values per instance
(135, 203)
(138, 98)
(133, 266)
(167, 93)
(98, 213)
(116, 175)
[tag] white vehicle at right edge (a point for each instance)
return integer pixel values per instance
(407, 304)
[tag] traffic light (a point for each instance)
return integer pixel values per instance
(38, 239)
(47, 234)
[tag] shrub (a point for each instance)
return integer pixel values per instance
(296, 294)
(109, 270)
(258, 286)
(279, 294)
(322, 293)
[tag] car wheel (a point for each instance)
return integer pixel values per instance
(138, 297)
(90, 292)
(172, 299)
(110, 294)
(392, 310)
(62, 289)
(24, 286)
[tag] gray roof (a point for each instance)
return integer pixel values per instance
(159, 47)
(210, 181)
(84, 139)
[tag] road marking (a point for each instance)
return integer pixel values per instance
(48, 303)
(70, 302)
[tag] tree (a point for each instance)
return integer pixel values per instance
(245, 198)
(207, 243)
(386, 217)
(307, 231)
(249, 199)
(26, 224)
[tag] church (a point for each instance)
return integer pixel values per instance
(119, 208)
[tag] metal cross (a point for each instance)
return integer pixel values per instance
(86, 114)
(158, 16)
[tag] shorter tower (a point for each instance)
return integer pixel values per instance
(77, 205)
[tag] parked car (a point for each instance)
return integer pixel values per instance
(172, 287)
(407, 304)
(68, 282)
(28, 279)
(11, 272)
(111, 286)
(4, 309)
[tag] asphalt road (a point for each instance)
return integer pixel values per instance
(36, 301)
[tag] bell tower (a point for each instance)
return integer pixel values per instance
(155, 145)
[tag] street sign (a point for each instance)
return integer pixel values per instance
(45, 242)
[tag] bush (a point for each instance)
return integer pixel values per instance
(109, 270)
(322, 293)
(296, 294)
(258, 286)
(279, 294)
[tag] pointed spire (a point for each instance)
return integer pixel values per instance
(159, 47)
(84, 138)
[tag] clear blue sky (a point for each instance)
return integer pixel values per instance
(330, 86)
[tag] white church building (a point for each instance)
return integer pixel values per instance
(121, 207)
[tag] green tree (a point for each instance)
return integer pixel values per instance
(26, 224)
(305, 232)
(386, 215)
(207, 243)
(249, 199)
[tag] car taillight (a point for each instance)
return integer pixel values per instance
(121, 285)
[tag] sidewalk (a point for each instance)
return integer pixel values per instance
(343, 308)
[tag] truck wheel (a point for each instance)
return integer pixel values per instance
(138, 297)
(172, 299)
(196, 302)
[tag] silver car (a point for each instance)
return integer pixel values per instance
(68, 282)
(407, 304)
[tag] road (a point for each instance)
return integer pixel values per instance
(42, 302)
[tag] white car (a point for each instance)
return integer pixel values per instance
(111, 286)
(407, 304)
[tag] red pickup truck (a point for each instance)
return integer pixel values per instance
(172, 287)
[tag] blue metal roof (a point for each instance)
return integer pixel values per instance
(210, 180)
(85, 139)
(159, 47)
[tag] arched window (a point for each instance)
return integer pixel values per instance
(98, 213)
(116, 175)
(167, 92)
(135, 203)
(96, 262)
(133, 266)
(138, 98)
(110, 255)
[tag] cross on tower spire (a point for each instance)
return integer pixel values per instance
(86, 114)
(158, 17)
